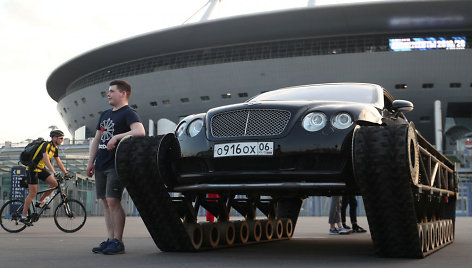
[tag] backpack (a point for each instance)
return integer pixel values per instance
(30, 152)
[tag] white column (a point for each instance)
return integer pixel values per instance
(151, 128)
(438, 131)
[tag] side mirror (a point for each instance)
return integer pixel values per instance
(402, 106)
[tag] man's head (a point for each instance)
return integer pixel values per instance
(57, 136)
(119, 92)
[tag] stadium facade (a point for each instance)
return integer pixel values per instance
(418, 50)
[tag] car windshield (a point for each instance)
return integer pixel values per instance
(363, 93)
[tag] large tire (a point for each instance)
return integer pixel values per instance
(138, 165)
(385, 168)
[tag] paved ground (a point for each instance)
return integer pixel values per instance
(43, 245)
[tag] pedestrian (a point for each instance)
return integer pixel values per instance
(113, 125)
(335, 217)
(46, 151)
(352, 202)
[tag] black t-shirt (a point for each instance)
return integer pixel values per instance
(112, 123)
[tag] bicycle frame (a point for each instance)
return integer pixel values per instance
(37, 212)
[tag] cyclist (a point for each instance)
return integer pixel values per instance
(47, 151)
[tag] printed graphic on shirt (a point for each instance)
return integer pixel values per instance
(107, 128)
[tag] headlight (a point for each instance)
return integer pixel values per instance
(314, 121)
(342, 121)
(195, 127)
(181, 129)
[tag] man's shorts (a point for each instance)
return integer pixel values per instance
(108, 184)
(33, 176)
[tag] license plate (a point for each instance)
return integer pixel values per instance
(243, 148)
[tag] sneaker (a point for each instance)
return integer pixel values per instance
(357, 229)
(26, 221)
(102, 246)
(346, 226)
(333, 231)
(343, 230)
(115, 247)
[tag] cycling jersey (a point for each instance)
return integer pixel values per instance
(50, 149)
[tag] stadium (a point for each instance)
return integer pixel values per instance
(418, 50)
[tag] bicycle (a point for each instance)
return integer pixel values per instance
(69, 216)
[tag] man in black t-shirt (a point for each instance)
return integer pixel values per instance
(114, 124)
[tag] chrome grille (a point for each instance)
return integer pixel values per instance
(251, 122)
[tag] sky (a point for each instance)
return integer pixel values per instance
(39, 36)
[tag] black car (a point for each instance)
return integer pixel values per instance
(274, 150)
(296, 138)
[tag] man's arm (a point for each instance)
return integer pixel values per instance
(137, 129)
(48, 163)
(60, 165)
(93, 153)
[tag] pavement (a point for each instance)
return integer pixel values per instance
(43, 245)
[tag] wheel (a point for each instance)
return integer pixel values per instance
(289, 208)
(385, 164)
(70, 216)
(10, 215)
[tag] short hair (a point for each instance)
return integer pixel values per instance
(122, 85)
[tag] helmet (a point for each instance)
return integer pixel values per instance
(56, 133)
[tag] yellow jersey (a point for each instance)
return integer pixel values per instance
(46, 147)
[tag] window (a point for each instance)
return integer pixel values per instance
(242, 95)
(226, 96)
(91, 115)
(83, 100)
(166, 102)
(134, 106)
(455, 85)
(184, 100)
(103, 93)
(428, 85)
(83, 117)
(76, 103)
(153, 103)
(65, 111)
(205, 98)
(425, 119)
(401, 86)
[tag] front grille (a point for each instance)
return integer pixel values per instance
(251, 122)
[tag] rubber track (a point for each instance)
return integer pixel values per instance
(382, 172)
(136, 164)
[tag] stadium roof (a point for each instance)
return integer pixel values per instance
(335, 20)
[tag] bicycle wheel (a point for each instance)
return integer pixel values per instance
(10, 215)
(70, 216)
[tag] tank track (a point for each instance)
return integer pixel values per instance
(144, 167)
(404, 221)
